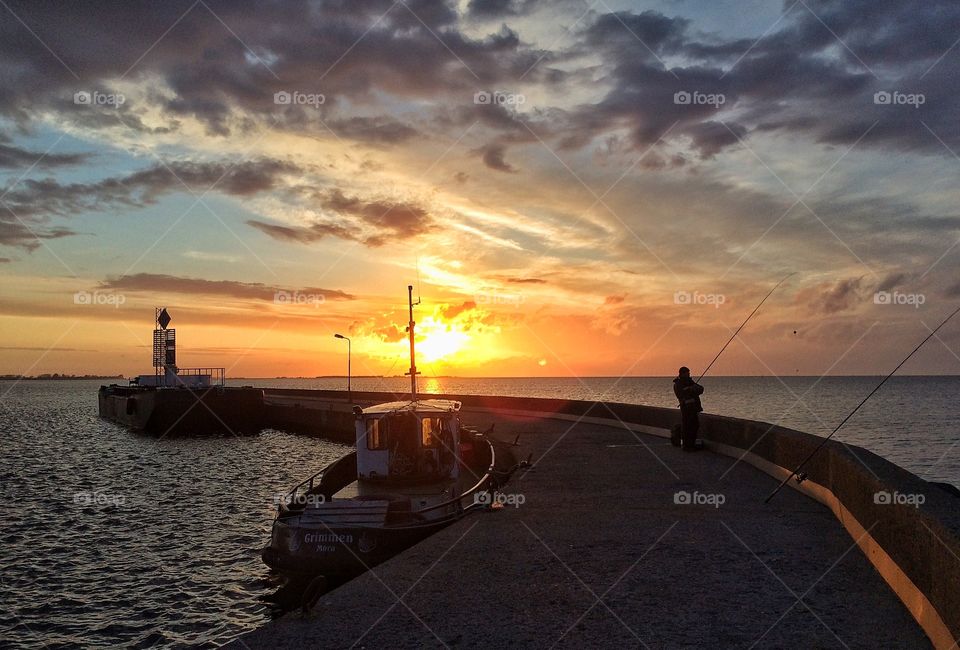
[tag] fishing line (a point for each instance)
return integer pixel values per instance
(802, 476)
(755, 310)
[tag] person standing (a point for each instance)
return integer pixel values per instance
(688, 394)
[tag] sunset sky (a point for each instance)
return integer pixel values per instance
(574, 187)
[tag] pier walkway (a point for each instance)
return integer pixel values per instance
(603, 552)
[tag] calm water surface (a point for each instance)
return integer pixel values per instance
(112, 538)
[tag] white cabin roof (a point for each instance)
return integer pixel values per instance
(419, 406)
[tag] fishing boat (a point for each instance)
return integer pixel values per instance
(416, 469)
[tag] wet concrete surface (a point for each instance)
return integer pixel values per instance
(620, 541)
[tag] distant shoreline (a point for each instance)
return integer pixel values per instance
(57, 377)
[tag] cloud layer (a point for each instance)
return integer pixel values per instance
(591, 162)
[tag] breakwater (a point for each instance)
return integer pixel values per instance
(907, 528)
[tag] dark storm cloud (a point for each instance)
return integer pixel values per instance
(881, 31)
(625, 30)
(347, 51)
(302, 234)
(403, 219)
(643, 88)
(376, 58)
(375, 130)
(892, 281)
(44, 197)
(493, 158)
(357, 218)
(159, 283)
(710, 138)
(21, 230)
(16, 158)
(833, 297)
(499, 8)
(953, 291)
(30, 202)
(799, 79)
(15, 231)
(495, 116)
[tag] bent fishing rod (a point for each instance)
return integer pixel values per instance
(802, 476)
(730, 340)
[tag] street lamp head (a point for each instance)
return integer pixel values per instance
(349, 373)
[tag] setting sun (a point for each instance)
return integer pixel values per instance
(440, 340)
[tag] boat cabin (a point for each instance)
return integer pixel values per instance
(409, 442)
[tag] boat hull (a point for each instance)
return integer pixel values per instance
(330, 542)
(341, 551)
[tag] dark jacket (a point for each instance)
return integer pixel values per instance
(688, 393)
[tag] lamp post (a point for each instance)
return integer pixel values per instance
(347, 339)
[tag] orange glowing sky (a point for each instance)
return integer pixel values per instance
(528, 168)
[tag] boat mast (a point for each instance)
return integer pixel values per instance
(413, 359)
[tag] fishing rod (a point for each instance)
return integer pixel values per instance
(755, 310)
(802, 476)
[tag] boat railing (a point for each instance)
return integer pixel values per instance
(307, 486)
(217, 375)
(476, 488)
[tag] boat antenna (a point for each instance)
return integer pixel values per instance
(418, 280)
(802, 476)
(413, 357)
(730, 340)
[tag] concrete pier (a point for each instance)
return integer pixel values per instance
(620, 540)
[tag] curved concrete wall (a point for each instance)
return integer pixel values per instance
(915, 549)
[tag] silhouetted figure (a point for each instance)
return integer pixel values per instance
(688, 394)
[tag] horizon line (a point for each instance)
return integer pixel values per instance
(92, 376)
